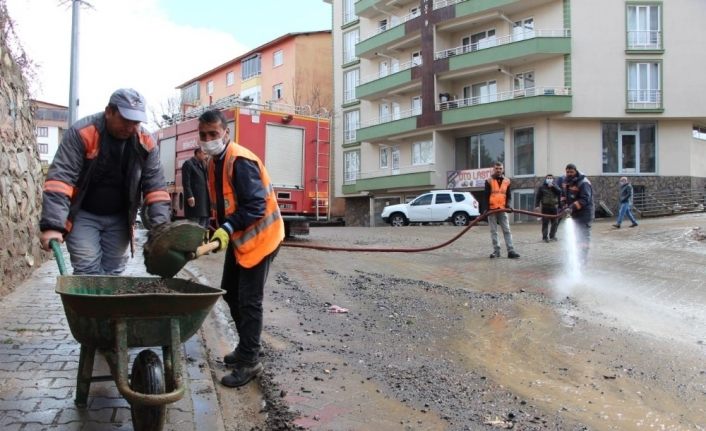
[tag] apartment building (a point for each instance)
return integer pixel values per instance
(294, 69)
(51, 122)
(430, 93)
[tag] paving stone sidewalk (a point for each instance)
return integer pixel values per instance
(39, 361)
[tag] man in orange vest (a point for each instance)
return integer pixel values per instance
(497, 191)
(251, 231)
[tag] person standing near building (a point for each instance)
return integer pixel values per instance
(547, 200)
(579, 205)
(251, 231)
(194, 181)
(625, 203)
(497, 192)
(104, 164)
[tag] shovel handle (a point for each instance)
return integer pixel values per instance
(208, 247)
(58, 255)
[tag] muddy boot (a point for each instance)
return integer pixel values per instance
(241, 375)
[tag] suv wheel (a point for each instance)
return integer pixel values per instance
(397, 220)
(460, 219)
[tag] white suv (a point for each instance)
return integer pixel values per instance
(436, 206)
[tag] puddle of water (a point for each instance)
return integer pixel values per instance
(528, 350)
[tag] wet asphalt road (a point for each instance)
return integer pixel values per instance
(452, 340)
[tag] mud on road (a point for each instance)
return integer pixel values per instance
(449, 341)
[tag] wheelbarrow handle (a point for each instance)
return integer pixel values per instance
(58, 255)
(204, 249)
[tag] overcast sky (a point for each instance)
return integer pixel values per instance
(150, 45)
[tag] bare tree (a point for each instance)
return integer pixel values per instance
(164, 115)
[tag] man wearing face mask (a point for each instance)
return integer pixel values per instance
(251, 231)
(547, 198)
(104, 164)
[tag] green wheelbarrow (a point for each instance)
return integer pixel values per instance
(110, 314)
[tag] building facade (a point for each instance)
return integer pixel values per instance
(430, 93)
(294, 69)
(51, 122)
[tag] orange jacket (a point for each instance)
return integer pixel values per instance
(498, 193)
(261, 238)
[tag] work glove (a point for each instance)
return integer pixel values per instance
(222, 235)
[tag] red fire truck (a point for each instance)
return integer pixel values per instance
(293, 144)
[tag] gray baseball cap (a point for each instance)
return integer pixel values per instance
(130, 103)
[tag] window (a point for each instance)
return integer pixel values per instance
(644, 85)
(629, 148)
(351, 166)
(523, 146)
(349, 11)
(480, 151)
(523, 200)
(443, 198)
(230, 78)
(416, 105)
(209, 87)
(382, 25)
(42, 132)
(422, 153)
(523, 29)
(483, 92)
(350, 39)
(524, 84)
(699, 133)
(417, 58)
(484, 39)
(277, 58)
(384, 155)
(250, 67)
(644, 27)
(351, 123)
(190, 94)
(43, 148)
(423, 200)
(277, 92)
(351, 79)
(252, 94)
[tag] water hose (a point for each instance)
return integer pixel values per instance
(420, 249)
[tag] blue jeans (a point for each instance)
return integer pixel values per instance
(98, 244)
(625, 209)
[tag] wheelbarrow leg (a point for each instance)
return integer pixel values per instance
(168, 367)
(85, 372)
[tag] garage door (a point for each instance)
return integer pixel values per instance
(284, 156)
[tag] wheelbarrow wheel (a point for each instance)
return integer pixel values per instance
(147, 378)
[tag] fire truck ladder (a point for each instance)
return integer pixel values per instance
(323, 148)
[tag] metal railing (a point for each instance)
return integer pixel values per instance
(382, 74)
(391, 117)
(398, 171)
(644, 39)
(644, 99)
(502, 40)
(388, 26)
(506, 95)
(438, 4)
(234, 101)
(669, 202)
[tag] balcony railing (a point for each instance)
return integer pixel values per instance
(506, 95)
(644, 99)
(388, 26)
(382, 74)
(391, 117)
(438, 4)
(503, 40)
(648, 39)
(398, 171)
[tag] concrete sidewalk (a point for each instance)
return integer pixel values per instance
(39, 361)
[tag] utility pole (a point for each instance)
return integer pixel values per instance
(73, 77)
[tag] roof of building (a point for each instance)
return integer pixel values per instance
(251, 52)
(48, 105)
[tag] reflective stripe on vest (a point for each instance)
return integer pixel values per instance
(60, 187)
(262, 237)
(498, 193)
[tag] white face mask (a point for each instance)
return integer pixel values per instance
(214, 147)
(549, 181)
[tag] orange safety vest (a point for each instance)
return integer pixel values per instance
(262, 237)
(498, 193)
